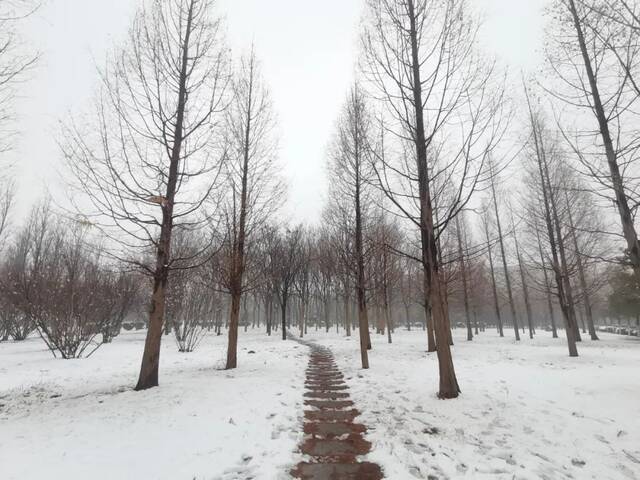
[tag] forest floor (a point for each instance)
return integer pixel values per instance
(527, 411)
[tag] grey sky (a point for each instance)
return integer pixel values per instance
(308, 50)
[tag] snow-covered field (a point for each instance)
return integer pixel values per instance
(80, 420)
(527, 411)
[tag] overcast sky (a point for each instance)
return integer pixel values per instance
(308, 50)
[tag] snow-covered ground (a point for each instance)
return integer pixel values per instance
(527, 411)
(79, 419)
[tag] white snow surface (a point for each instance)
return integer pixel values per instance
(80, 419)
(527, 410)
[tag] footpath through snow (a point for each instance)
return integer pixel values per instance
(333, 440)
(527, 410)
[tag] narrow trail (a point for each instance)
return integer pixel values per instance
(332, 440)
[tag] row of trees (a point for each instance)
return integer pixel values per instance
(175, 169)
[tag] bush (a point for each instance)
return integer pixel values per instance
(58, 281)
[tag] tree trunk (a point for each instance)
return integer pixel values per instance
(428, 321)
(463, 274)
(507, 277)
(283, 308)
(586, 299)
(407, 317)
(151, 356)
(448, 382)
(363, 321)
(496, 301)
(571, 329)
(268, 311)
(547, 196)
(547, 284)
(234, 318)
(523, 278)
(347, 312)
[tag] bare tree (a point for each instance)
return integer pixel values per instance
(252, 177)
(285, 256)
(523, 279)
(421, 59)
(351, 173)
(494, 287)
(462, 247)
(385, 236)
(503, 255)
(547, 284)
(151, 166)
(58, 281)
(304, 279)
(586, 297)
(14, 63)
(547, 193)
(595, 53)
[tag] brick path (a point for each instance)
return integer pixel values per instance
(332, 440)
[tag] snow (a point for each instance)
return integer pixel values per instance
(79, 419)
(527, 411)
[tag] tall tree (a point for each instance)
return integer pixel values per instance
(250, 173)
(421, 59)
(547, 192)
(148, 166)
(595, 52)
(351, 174)
(503, 254)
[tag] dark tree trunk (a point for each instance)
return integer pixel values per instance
(448, 382)
(283, 308)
